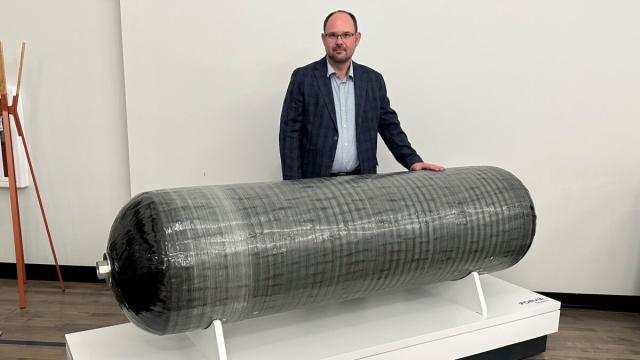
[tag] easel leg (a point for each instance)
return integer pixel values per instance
(16, 118)
(15, 211)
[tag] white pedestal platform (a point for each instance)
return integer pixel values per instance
(422, 323)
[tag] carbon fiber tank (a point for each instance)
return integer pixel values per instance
(178, 259)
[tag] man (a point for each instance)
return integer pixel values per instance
(334, 110)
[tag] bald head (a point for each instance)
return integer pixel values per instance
(341, 14)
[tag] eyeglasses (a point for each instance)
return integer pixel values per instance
(334, 36)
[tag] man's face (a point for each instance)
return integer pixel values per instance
(340, 49)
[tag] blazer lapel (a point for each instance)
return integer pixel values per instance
(325, 89)
(361, 92)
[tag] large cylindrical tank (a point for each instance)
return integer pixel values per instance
(178, 259)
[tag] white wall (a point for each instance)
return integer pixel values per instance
(73, 93)
(546, 89)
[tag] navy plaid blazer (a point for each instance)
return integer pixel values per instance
(308, 128)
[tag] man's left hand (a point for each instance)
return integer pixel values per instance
(426, 166)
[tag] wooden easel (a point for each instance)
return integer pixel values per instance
(10, 172)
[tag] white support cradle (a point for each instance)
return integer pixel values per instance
(203, 339)
(466, 292)
(440, 321)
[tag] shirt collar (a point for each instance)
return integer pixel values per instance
(331, 70)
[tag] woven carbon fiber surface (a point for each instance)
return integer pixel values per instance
(181, 258)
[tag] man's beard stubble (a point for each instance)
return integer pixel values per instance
(340, 59)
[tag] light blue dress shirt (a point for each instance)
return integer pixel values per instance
(346, 159)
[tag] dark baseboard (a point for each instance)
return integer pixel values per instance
(625, 303)
(521, 350)
(48, 272)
